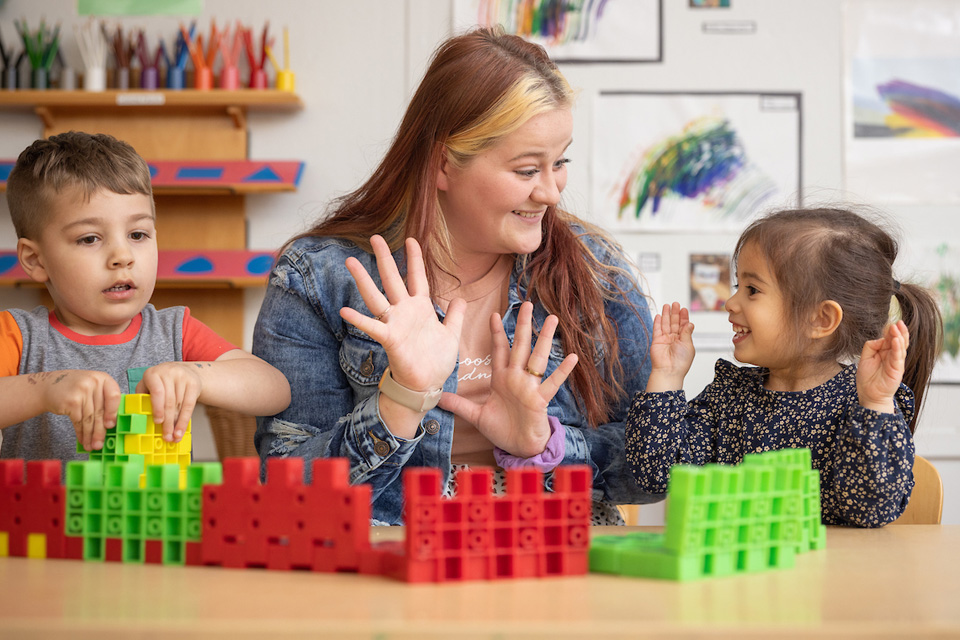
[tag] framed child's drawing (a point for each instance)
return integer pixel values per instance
(574, 30)
(674, 161)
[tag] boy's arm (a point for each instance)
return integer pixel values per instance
(89, 398)
(236, 380)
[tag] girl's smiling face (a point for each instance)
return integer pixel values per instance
(757, 311)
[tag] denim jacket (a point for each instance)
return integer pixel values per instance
(334, 369)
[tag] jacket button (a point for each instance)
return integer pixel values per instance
(366, 368)
(432, 427)
(381, 448)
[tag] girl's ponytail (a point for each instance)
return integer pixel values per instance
(921, 314)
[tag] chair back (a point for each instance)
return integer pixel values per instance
(926, 501)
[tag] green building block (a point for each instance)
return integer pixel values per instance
(722, 520)
(111, 504)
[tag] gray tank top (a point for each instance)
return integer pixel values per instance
(52, 437)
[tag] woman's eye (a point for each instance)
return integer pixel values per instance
(527, 173)
(559, 164)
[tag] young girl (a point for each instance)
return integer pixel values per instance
(814, 289)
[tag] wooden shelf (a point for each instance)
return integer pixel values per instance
(216, 99)
(210, 177)
(180, 269)
(196, 143)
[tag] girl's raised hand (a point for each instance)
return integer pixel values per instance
(881, 368)
(422, 350)
(514, 416)
(671, 348)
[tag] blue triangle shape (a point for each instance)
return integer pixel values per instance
(266, 174)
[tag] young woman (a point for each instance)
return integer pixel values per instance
(405, 320)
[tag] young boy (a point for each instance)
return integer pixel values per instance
(82, 207)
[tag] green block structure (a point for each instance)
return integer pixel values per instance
(107, 502)
(724, 520)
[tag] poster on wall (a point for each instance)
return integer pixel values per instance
(902, 115)
(709, 281)
(943, 263)
(689, 162)
(579, 31)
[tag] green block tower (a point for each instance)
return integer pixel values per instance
(111, 505)
(723, 520)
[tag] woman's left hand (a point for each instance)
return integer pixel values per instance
(514, 416)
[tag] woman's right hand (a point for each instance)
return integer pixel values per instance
(671, 349)
(422, 350)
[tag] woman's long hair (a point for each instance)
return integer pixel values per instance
(480, 87)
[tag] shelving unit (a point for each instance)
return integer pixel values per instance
(186, 136)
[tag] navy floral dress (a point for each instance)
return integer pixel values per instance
(865, 458)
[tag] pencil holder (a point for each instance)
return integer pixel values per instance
(38, 78)
(10, 78)
(230, 78)
(150, 78)
(175, 78)
(286, 81)
(68, 79)
(95, 79)
(121, 78)
(203, 78)
(258, 79)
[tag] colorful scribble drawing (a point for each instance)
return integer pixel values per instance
(948, 292)
(914, 111)
(706, 162)
(554, 21)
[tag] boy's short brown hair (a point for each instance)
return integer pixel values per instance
(73, 160)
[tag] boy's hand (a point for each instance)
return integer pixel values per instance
(90, 399)
(671, 349)
(174, 388)
(881, 368)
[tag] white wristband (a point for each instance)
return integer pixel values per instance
(417, 400)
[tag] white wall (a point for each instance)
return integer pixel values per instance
(357, 63)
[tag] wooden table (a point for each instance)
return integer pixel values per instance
(901, 581)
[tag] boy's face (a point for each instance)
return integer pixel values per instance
(98, 260)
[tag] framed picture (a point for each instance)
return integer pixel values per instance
(710, 286)
(902, 115)
(942, 269)
(574, 31)
(693, 161)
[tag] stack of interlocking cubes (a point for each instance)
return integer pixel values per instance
(475, 535)
(723, 520)
(137, 438)
(140, 500)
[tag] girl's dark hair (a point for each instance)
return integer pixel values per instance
(481, 86)
(835, 254)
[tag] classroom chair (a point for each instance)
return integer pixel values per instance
(926, 501)
(232, 432)
(630, 513)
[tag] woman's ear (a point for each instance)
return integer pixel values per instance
(28, 252)
(443, 171)
(826, 319)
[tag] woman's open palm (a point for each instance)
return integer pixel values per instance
(514, 416)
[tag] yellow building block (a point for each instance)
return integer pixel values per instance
(37, 545)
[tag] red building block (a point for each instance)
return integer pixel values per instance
(475, 535)
(36, 507)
